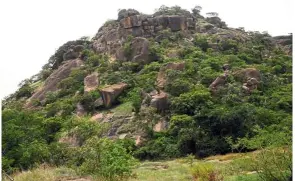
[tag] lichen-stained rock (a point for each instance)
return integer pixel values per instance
(91, 82)
(110, 93)
(52, 81)
(160, 101)
(161, 78)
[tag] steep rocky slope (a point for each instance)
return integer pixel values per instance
(173, 83)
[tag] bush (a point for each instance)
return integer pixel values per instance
(160, 148)
(107, 159)
(205, 172)
(201, 41)
(188, 103)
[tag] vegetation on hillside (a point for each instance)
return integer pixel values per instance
(201, 123)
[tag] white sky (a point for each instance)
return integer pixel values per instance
(31, 30)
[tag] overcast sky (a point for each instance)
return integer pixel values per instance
(31, 30)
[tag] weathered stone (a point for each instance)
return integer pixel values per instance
(110, 93)
(161, 78)
(52, 81)
(125, 13)
(250, 85)
(80, 111)
(140, 50)
(160, 126)
(78, 48)
(98, 102)
(70, 140)
(122, 136)
(91, 82)
(97, 117)
(177, 23)
(138, 140)
(219, 81)
(244, 74)
(70, 54)
(160, 101)
(137, 31)
(163, 21)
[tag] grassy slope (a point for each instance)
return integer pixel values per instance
(232, 167)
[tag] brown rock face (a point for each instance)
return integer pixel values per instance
(110, 93)
(160, 101)
(91, 82)
(161, 79)
(57, 76)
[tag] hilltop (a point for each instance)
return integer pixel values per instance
(155, 87)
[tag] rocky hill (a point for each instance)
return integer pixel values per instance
(168, 84)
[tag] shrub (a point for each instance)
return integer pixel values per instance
(106, 158)
(205, 172)
(201, 41)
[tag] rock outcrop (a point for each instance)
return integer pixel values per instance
(160, 101)
(52, 81)
(139, 51)
(161, 78)
(110, 93)
(250, 78)
(160, 126)
(91, 82)
(244, 74)
(112, 35)
(80, 111)
(220, 80)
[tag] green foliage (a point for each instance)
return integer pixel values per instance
(24, 91)
(106, 158)
(201, 122)
(178, 86)
(88, 100)
(188, 103)
(201, 41)
(204, 172)
(162, 147)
